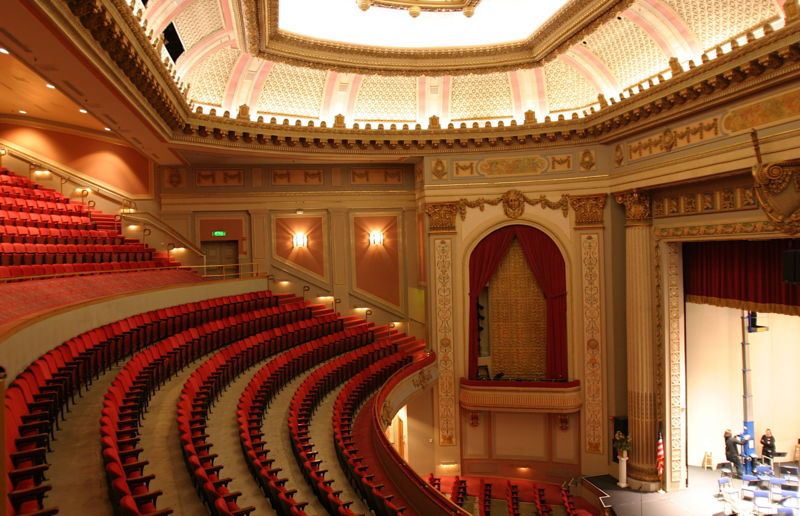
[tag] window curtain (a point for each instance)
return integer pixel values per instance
(547, 264)
(741, 274)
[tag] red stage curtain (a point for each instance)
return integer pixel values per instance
(547, 264)
(744, 274)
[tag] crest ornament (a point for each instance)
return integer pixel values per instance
(777, 190)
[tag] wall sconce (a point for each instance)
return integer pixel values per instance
(3, 151)
(474, 419)
(306, 288)
(300, 240)
(41, 172)
(563, 423)
(367, 314)
(376, 237)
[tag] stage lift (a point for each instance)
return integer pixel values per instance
(749, 325)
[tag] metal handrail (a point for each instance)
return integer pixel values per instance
(147, 218)
(254, 272)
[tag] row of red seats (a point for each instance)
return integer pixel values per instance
(204, 386)
(485, 499)
(34, 235)
(9, 178)
(459, 492)
(45, 220)
(265, 384)
(30, 192)
(37, 397)
(49, 254)
(304, 403)
(512, 499)
(355, 392)
(10, 272)
(128, 396)
(42, 206)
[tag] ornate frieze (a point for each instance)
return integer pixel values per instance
(702, 231)
(671, 139)
(727, 199)
(442, 217)
(588, 209)
(593, 339)
(513, 202)
(637, 206)
(675, 343)
(443, 263)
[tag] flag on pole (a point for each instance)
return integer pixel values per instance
(660, 455)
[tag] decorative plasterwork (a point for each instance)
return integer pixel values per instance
(199, 19)
(567, 88)
(513, 202)
(520, 399)
(677, 388)
(494, 100)
(637, 206)
(568, 27)
(443, 265)
(671, 139)
(727, 199)
(291, 90)
(416, 6)
(716, 20)
(716, 230)
(777, 187)
(442, 217)
(386, 99)
(593, 341)
(588, 209)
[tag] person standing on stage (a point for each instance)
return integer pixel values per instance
(768, 444)
(732, 452)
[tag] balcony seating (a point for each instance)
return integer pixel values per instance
(39, 227)
(38, 398)
(307, 398)
(262, 388)
(128, 396)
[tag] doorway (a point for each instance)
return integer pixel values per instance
(222, 256)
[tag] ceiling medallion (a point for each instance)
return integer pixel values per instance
(415, 7)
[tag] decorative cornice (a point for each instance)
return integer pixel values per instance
(637, 206)
(95, 17)
(442, 217)
(716, 230)
(566, 28)
(513, 202)
(777, 188)
(588, 209)
(514, 399)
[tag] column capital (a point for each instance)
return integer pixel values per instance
(637, 206)
(442, 217)
(588, 209)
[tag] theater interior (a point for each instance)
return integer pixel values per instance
(435, 257)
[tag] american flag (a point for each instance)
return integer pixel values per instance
(660, 455)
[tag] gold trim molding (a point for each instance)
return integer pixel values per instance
(513, 202)
(443, 264)
(442, 217)
(637, 206)
(520, 399)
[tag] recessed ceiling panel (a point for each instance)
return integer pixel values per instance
(494, 22)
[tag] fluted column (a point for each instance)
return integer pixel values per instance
(641, 348)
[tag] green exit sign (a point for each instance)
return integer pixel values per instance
(219, 233)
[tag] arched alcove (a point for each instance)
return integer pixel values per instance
(506, 251)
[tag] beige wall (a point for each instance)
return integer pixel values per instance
(714, 379)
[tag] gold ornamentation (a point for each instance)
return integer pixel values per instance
(498, 167)
(637, 205)
(386, 413)
(561, 162)
(423, 5)
(464, 168)
(219, 177)
(513, 202)
(763, 112)
(592, 336)
(770, 182)
(439, 169)
(422, 379)
(674, 139)
(738, 228)
(587, 162)
(588, 209)
(442, 217)
(619, 155)
(676, 388)
(443, 263)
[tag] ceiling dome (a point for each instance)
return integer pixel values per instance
(274, 57)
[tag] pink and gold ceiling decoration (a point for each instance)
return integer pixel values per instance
(263, 54)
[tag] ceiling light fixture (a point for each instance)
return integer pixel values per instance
(4, 51)
(50, 86)
(23, 112)
(83, 111)
(107, 128)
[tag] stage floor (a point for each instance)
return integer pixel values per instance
(699, 499)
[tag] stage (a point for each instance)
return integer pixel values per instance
(699, 499)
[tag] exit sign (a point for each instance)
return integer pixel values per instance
(219, 233)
